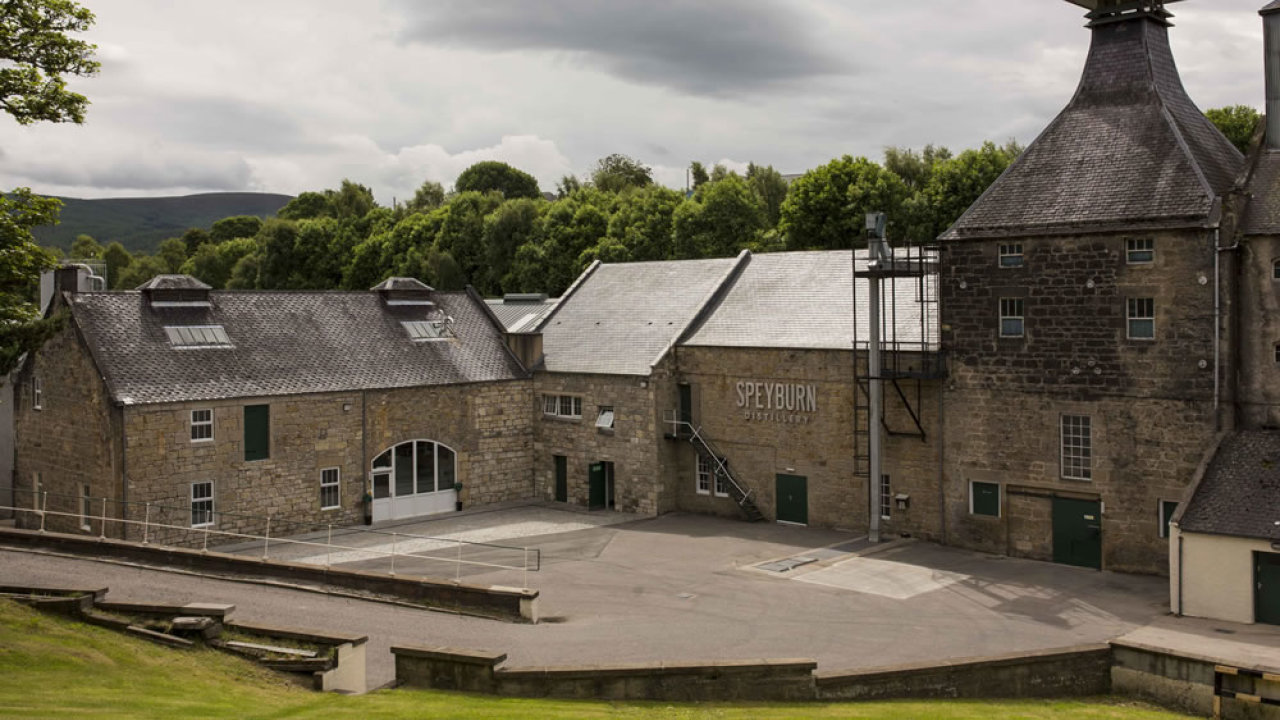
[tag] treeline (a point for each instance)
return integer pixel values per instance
(498, 232)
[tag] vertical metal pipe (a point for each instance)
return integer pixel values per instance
(1271, 44)
(874, 418)
(146, 525)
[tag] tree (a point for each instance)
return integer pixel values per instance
(36, 53)
(237, 226)
(277, 239)
(827, 206)
(643, 225)
(173, 253)
(117, 259)
(462, 231)
(616, 173)
(351, 200)
(84, 247)
(21, 262)
(515, 223)
(719, 223)
(568, 185)
(699, 175)
(770, 190)
(954, 185)
(494, 176)
(914, 168)
(141, 269)
(306, 205)
(427, 197)
(194, 239)
(1237, 122)
(212, 264)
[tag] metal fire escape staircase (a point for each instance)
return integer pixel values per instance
(684, 429)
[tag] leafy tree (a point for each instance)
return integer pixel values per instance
(141, 269)
(36, 53)
(514, 223)
(568, 185)
(617, 172)
(21, 261)
(462, 232)
(351, 200)
(278, 261)
(194, 238)
(955, 185)
(827, 206)
(570, 227)
(720, 223)
(212, 264)
(366, 268)
(238, 226)
(699, 174)
(84, 247)
(427, 197)
(1237, 122)
(494, 176)
(443, 272)
(769, 189)
(245, 273)
(305, 205)
(117, 259)
(915, 168)
(173, 253)
(529, 270)
(643, 225)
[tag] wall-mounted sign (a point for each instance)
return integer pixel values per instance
(788, 403)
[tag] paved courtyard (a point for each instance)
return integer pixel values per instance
(619, 589)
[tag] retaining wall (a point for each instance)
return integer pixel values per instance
(1184, 682)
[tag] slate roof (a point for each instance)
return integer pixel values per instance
(173, 282)
(1240, 492)
(285, 343)
(619, 319)
(520, 314)
(1130, 152)
(1262, 213)
(1270, 8)
(804, 300)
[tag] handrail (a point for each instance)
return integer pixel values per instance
(721, 466)
(328, 547)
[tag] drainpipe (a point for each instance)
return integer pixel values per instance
(1178, 612)
(1217, 328)
(364, 460)
(124, 479)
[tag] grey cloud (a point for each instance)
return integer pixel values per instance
(113, 174)
(219, 123)
(701, 47)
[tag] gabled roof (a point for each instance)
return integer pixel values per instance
(1262, 213)
(173, 282)
(1240, 493)
(805, 300)
(1130, 152)
(285, 343)
(620, 319)
(520, 313)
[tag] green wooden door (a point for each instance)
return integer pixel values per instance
(1266, 588)
(596, 496)
(1077, 532)
(562, 478)
(793, 499)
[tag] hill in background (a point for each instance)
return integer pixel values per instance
(139, 224)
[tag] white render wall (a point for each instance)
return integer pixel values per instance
(1217, 574)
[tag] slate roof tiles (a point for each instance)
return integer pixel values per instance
(1240, 493)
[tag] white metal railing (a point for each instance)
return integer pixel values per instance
(399, 542)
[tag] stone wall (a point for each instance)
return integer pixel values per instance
(71, 442)
(1151, 402)
(1259, 320)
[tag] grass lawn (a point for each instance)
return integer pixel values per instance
(54, 668)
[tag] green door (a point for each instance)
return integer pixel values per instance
(793, 499)
(1266, 588)
(562, 478)
(1077, 532)
(596, 497)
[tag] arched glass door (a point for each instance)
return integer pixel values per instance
(414, 478)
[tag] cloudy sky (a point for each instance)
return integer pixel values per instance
(292, 95)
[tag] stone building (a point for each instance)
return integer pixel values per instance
(204, 408)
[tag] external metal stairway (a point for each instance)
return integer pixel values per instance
(685, 430)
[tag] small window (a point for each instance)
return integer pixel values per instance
(1277, 349)
(201, 504)
(984, 499)
(704, 476)
(604, 420)
(257, 432)
(423, 330)
(1140, 251)
(1011, 255)
(86, 508)
(1077, 447)
(1167, 509)
(721, 479)
(1275, 270)
(1011, 318)
(330, 489)
(37, 393)
(1142, 318)
(566, 406)
(198, 337)
(886, 498)
(201, 425)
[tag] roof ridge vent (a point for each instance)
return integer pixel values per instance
(175, 291)
(405, 291)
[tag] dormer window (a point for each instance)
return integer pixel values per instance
(424, 330)
(401, 291)
(197, 337)
(176, 291)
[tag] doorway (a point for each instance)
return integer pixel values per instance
(600, 486)
(793, 499)
(562, 478)
(1077, 532)
(1266, 583)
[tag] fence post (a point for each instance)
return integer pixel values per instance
(328, 547)
(393, 553)
(146, 525)
(266, 540)
(44, 508)
(102, 522)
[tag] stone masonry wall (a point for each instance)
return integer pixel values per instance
(1259, 323)
(71, 442)
(1150, 401)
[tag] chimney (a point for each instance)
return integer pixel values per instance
(64, 278)
(1271, 39)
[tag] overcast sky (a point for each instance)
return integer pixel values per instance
(292, 95)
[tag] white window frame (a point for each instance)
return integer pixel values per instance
(1076, 447)
(562, 406)
(1164, 521)
(605, 418)
(204, 425)
(1131, 315)
(1007, 312)
(37, 393)
(1010, 255)
(886, 497)
(720, 482)
(999, 498)
(1139, 247)
(202, 500)
(331, 481)
(86, 509)
(702, 475)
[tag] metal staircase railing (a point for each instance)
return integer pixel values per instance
(683, 429)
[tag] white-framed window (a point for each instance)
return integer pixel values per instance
(202, 425)
(886, 498)
(721, 481)
(37, 393)
(1141, 315)
(1167, 509)
(1011, 255)
(1077, 447)
(565, 406)
(1012, 323)
(1140, 251)
(201, 504)
(86, 507)
(604, 420)
(704, 476)
(984, 498)
(330, 489)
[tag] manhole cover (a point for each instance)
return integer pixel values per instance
(781, 566)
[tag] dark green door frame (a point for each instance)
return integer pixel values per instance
(1077, 532)
(1266, 588)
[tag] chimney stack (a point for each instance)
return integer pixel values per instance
(1271, 37)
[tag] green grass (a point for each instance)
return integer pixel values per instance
(54, 668)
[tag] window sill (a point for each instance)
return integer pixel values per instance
(330, 509)
(562, 418)
(706, 493)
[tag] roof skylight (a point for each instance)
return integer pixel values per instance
(422, 330)
(190, 337)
